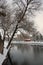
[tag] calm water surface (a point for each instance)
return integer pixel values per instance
(26, 54)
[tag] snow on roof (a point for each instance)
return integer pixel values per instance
(23, 31)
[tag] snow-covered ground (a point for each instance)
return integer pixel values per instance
(2, 57)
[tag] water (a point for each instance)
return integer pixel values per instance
(27, 54)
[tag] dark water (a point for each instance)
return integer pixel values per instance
(27, 55)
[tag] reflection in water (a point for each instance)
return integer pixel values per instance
(27, 55)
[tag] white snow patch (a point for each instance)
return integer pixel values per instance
(5, 44)
(18, 33)
(1, 32)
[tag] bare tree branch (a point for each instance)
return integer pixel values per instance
(19, 22)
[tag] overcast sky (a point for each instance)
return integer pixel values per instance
(39, 20)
